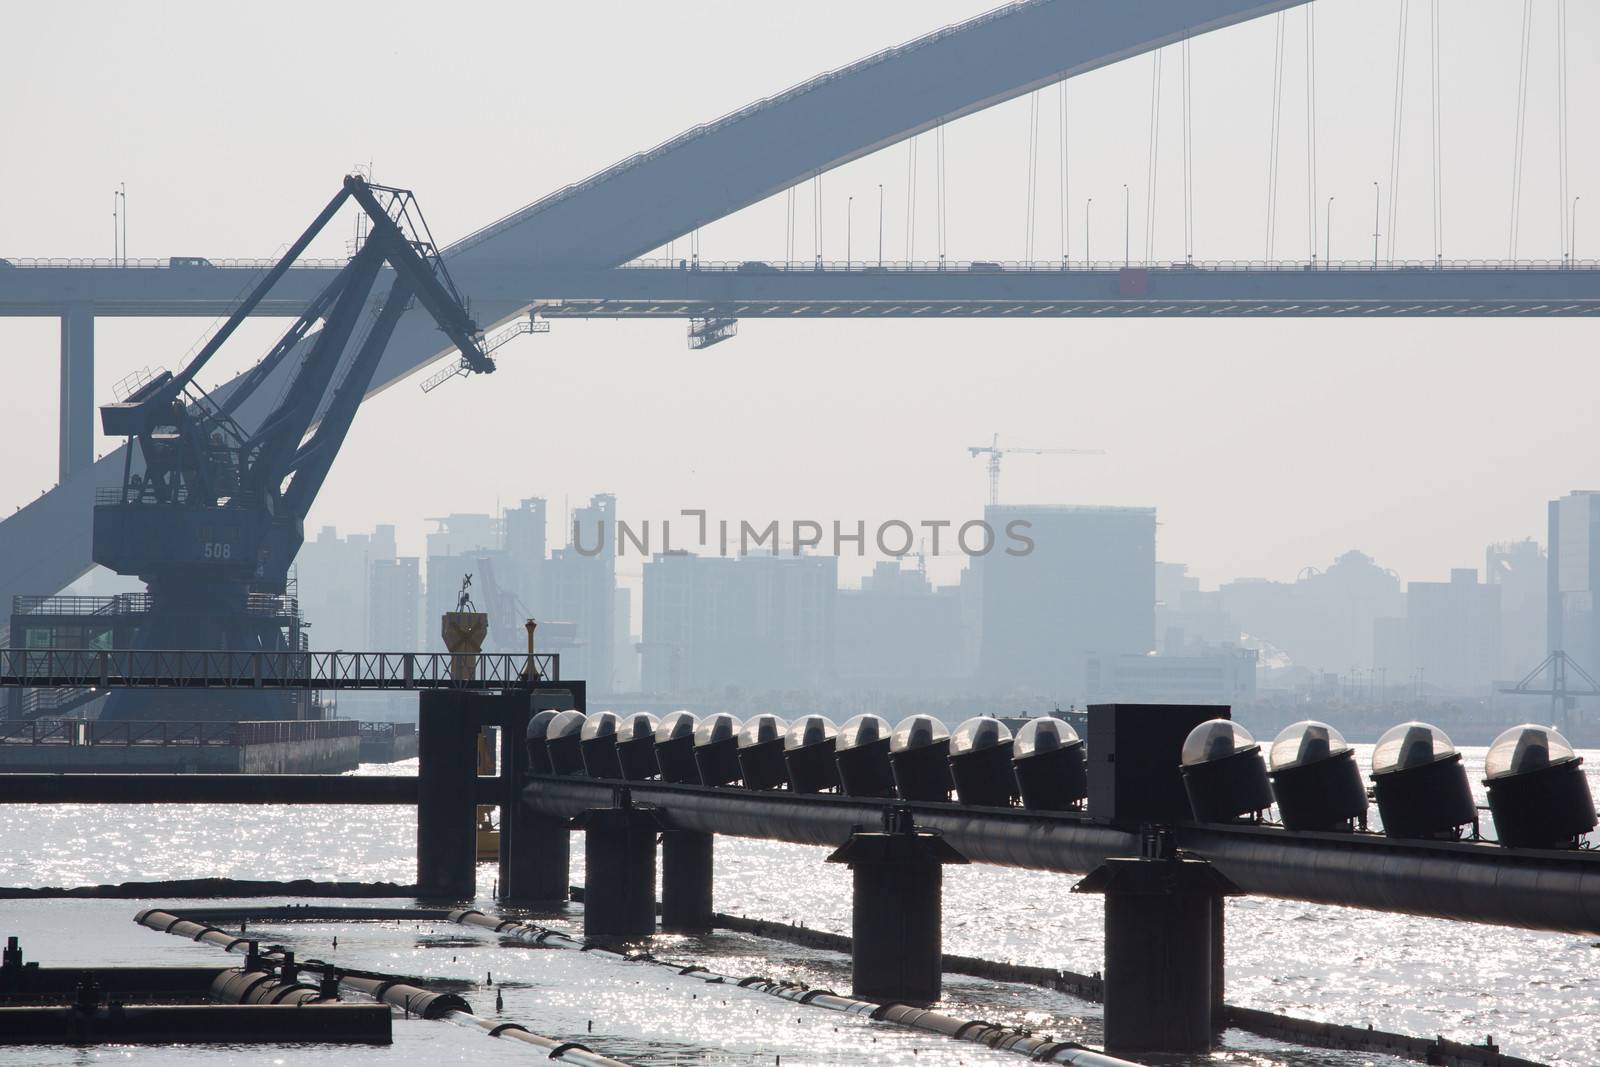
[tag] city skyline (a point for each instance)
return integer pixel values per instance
(1266, 445)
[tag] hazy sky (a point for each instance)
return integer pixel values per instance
(1265, 445)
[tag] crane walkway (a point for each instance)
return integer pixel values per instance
(209, 669)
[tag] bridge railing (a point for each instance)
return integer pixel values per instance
(168, 264)
(206, 669)
(1011, 266)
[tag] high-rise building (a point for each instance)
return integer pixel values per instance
(758, 622)
(578, 587)
(331, 583)
(1086, 585)
(1573, 578)
(525, 547)
(1521, 570)
(1453, 631)
(395, 599)
(898, 633)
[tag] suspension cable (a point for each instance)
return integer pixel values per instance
(1032, 198)
(911, 200)
(1153, 169)
(788, 228)
(1311, 126)
(1399, 120)
(1436, 62)
(938, 191)
(1519, 142)
(1273, 141)
(1562, 156)
(816, 219)
(1188, 159)
(1062, 185)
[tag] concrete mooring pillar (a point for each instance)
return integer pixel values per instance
(447, 775)
(686, 873)
(619, 879)
(1164, 935)
(896, 923)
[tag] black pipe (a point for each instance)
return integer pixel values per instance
(1469, 881)
(391, 990)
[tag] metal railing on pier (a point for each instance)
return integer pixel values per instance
(207, 669)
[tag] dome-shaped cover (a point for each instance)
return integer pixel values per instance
(1215, 739)
(917, 731)
(760, 729)
(862, 730)
(1306, 741)
(675, 724)
(539, 725)
(1529, 747)
(639, 724)
(809, 730)
(601, 724)
(981, 731)
(714, 728)
(566, 724)
(1044, 734)
(1409, 745)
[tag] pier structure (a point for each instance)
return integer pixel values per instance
(1135, 837)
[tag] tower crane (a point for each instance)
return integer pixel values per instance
(210, 514)
(995, 453)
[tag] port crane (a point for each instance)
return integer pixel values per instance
(210, 514)
(996, 453)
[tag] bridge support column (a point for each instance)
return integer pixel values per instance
(447, 774)
(896, 923)
(77, 390)
(619, 880)
(686, 871)
(1163, 928)
(535, 850)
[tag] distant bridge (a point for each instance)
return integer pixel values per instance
(567, 253)
(834, 290)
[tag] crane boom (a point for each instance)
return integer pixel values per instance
(995, 453)
(213, 515)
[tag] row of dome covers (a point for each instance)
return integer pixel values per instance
(1537, 790)
(920, 759)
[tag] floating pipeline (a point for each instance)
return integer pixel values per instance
(1088, 987)
(1283, 1028)
(1039, 1049)
(134, 1005)
(200, 888)
(266, 973)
